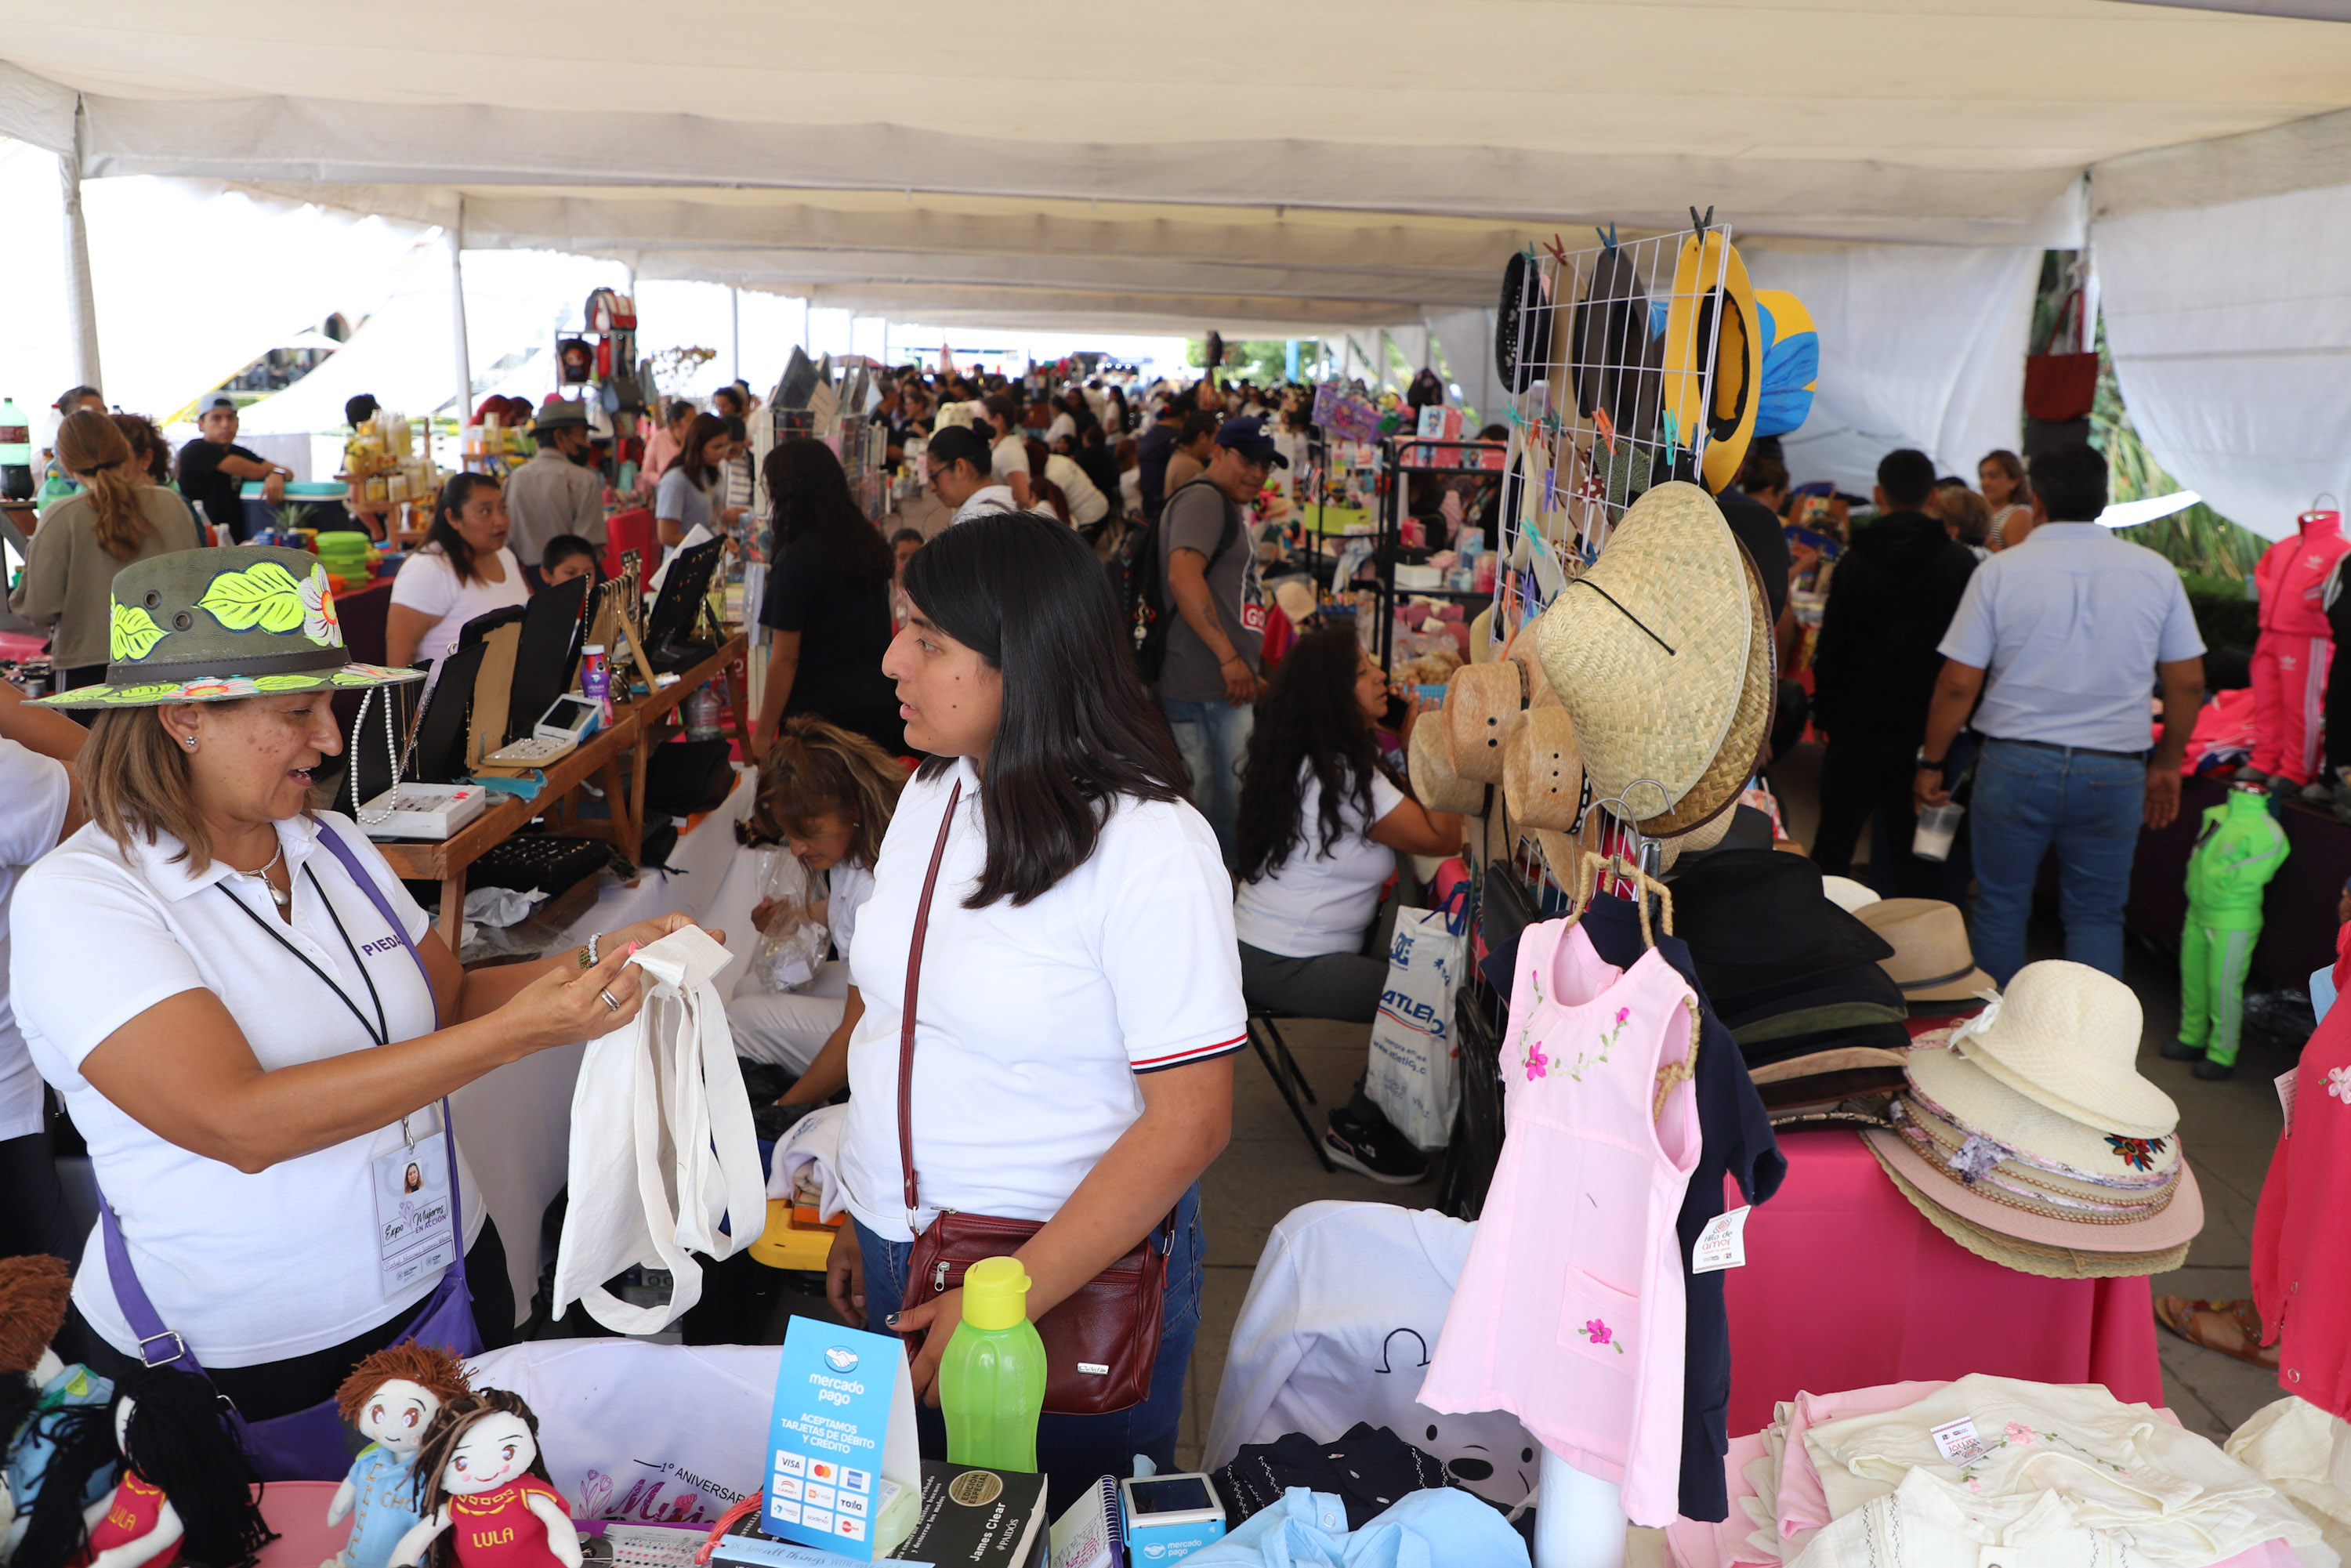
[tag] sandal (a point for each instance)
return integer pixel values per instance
(2179, 1314)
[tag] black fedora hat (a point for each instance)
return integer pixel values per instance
(1756, 918)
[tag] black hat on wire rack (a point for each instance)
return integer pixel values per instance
(1521, 322)
(1618, 363)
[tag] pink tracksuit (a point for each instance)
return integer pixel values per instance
(2295, 646)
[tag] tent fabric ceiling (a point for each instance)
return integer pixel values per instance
(1140, 169)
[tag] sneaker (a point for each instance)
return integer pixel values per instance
(2180, 1051)
(2213, 1072)
(1369, 1146)
(2319, 792)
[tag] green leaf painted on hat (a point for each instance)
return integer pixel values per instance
(266, 595)
(141, 694)
(132, 632)
(355, 675)
(286, 683)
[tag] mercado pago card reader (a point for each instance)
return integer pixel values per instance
(1168, 1518)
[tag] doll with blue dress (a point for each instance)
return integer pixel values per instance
(392, 1398)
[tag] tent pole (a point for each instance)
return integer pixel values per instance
(457, 232)
(734, 331)
(82, 302)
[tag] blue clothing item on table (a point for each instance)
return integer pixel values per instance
(2070, 626)
(1441, 1528)
(383, 1505)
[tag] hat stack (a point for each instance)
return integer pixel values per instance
(1796, 979)
(2031, 1139)
(1932, 962)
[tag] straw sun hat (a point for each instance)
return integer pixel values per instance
(213, 625)
(1649, 649)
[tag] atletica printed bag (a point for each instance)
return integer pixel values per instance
(1414, 1079)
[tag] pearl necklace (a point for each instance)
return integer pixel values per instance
(281, 899)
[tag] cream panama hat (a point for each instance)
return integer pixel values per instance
(1932, 961)
(2067, 1036)
(1650, 647)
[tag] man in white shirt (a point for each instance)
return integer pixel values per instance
(552, 494)
(957, 460)
(2064, 638)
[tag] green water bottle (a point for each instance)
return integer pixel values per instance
(992, 1378)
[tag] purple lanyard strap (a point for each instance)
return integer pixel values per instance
(130, 1296)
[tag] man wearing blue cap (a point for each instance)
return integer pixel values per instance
(1208, 684)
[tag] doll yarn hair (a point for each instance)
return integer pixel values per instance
(428, 1367)
(179, 1440)
(457, 1417)
(34, 1292)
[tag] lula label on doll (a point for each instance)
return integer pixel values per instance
(415, 1222)
(1722, 1244)
(1957, 1442)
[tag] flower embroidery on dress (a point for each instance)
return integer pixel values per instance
(2339, 1083)
(2137, 1153)
(2021, 1436)
(1538, 1064)
(1600, 1333)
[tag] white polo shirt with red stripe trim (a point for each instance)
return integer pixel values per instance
(1033, 1021)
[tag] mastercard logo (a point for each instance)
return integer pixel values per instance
(823, 1471)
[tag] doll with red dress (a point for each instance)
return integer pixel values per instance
(184, 1487)
(487, 1499)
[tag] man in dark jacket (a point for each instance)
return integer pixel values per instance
(1890, 601)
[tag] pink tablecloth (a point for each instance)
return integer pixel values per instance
(1846, 1286)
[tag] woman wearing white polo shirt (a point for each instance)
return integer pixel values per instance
(1320, 825)
(222, 985)
(1080, 992)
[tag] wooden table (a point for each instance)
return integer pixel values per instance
(656, 715)
(447, 859)
(637, 726)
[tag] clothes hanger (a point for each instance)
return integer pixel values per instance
(1641, 871)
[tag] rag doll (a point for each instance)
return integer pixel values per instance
(482, 1486)
(37, 1389)
(392, 1398)
(185, 1489)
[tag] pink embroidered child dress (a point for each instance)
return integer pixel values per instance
(1569, 1313)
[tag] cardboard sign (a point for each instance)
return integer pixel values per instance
(843, 1426)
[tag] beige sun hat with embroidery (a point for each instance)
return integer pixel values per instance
(2067, 1036)
(213, 625)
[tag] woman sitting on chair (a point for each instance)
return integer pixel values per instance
(1322, 821)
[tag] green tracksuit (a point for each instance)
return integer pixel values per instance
(2239, 850)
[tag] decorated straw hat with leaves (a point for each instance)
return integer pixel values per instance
(208, 625)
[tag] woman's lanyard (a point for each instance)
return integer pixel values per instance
(381, 1031)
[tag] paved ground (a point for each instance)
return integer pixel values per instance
(2228, 1131)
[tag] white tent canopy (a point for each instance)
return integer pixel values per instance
(1308, 168)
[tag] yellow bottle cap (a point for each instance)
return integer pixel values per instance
(996, 1293)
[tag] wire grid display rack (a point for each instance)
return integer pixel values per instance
(1612, 387)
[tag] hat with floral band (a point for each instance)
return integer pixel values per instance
(211, 625)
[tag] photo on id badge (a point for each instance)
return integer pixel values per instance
(412, 1210)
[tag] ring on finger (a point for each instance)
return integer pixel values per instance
(609, 999)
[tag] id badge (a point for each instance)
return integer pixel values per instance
(416, 1229)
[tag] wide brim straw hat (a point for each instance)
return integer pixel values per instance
(1428, 760)
(1648, 648)
(1932, 961)
(1973, 1100)
(1745, 749)
(2067, 1036)
(2065, 1256)
(215, 625)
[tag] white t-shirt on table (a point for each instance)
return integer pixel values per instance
(1314, 903)
(33, 793)
(1033, 1020)
(248, 1269)
(427, 584)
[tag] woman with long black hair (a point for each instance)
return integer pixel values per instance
(827, 602)
(1322, 821)
(1079, 992)
(463, 569)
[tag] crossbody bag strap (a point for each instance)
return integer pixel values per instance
(906, 1015)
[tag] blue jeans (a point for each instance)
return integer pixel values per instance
(1076, 1452)
(2087, 805)
(1214, 740)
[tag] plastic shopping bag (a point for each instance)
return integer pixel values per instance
(1415, 1077)
(792, 940)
